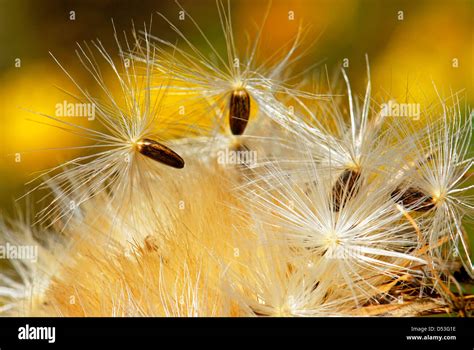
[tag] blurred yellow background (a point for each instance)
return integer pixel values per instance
(409, 43)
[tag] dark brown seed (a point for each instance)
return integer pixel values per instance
(239, 111)
(160, 153)
(345, 188)
(413, 198)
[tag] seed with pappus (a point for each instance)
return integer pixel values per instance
(132, 125)
(228, 80)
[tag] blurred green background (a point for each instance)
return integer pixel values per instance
(411, 52)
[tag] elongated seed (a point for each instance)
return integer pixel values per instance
(413, 199)
(239, 111)
(160, 153)
(346, 187)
